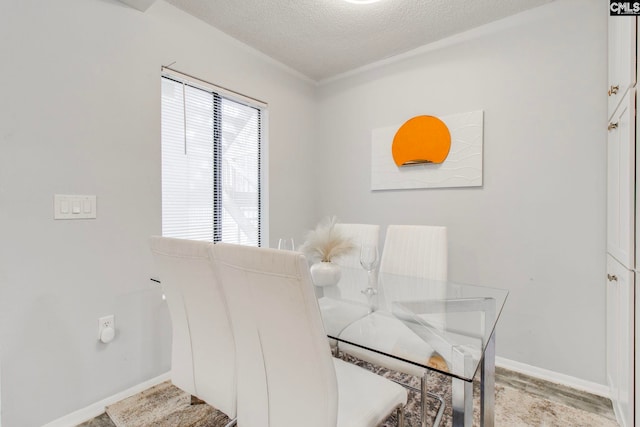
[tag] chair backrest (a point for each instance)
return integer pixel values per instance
(415, 250)
(360, 234)
(286, 375)
(203, 360)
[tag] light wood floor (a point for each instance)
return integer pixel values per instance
(541, 388)
(556, 392)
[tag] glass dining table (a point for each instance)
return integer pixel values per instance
(409, 321)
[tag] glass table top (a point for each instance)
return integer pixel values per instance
(439, 325)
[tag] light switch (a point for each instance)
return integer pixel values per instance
(74, 207)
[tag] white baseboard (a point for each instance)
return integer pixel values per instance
(555, 377)
(95, 409)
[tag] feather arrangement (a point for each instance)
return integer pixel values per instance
(326, 242)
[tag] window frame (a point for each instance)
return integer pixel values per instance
(263, 147)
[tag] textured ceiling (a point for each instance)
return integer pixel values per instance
(324, 38)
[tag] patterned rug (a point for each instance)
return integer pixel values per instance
(165, 405)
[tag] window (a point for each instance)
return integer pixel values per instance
(211, 164)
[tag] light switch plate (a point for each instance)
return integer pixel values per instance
(74, 207)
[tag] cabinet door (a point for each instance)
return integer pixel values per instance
(621, 182)
(622, 54)
(620, 339)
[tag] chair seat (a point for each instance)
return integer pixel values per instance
(365, 399)
(386, 333)
(336, 314)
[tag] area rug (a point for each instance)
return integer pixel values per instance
(164, 405)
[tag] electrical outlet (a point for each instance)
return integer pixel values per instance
(105, 322)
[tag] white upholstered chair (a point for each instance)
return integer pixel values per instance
(415, 250)
(203, 359)
(286, 375)
(338, 311)
(409, 250)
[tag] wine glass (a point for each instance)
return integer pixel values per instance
(369, 257)
(286, 244)
(369, 261)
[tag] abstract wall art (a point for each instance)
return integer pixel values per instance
(428, 152)
(421, 139)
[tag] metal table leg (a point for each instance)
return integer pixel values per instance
(462, 402)
(487, 383)
(461, 390)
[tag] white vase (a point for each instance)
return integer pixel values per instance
(325, 274)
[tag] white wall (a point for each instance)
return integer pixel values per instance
(80, 114)
(80, 110)
(537, 226)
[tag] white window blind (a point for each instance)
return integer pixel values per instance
(211, 149)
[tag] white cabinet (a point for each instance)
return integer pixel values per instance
(620, 336)
(622, 222)
(621, 182)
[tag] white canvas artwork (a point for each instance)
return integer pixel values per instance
(461, 168)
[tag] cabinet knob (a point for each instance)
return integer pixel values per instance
(613, 90)
(612, 277)
(612, 126)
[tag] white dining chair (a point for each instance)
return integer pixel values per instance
(415, 250)
(359, 234)
(286, 375)
(337, 311)
(409, 250)
(203, 359)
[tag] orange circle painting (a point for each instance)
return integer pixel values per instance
(421, 139)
